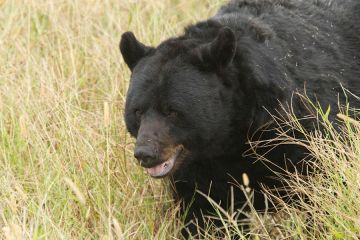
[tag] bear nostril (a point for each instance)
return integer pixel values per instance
(145, 155)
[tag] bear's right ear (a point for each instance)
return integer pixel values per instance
(131, 49)
(221, 51)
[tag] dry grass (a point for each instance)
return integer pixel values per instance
(66, 167)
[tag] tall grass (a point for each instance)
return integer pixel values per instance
(332, 208)
(66, 166)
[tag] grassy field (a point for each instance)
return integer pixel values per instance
(66, 165)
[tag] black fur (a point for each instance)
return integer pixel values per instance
(221, 75)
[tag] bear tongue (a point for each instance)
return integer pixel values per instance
(162, 169)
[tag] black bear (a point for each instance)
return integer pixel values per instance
(195, 99)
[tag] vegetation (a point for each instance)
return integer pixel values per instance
(66, 165)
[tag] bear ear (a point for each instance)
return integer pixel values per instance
(221, 51)
(132, 50)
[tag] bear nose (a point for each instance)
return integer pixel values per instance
(145, 155)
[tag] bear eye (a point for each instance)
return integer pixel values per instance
(172, 114)
(138, 113)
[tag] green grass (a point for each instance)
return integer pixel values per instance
(66, 165)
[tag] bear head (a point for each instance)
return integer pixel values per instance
(183, 103)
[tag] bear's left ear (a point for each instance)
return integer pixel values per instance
(221, 51)
(132, 50)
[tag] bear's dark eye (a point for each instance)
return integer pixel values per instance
(138, 113)
(172, 114)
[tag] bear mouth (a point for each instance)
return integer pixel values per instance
(164, 168)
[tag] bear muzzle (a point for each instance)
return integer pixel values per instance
(148, 159)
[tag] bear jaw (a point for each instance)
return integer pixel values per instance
(163, 169)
